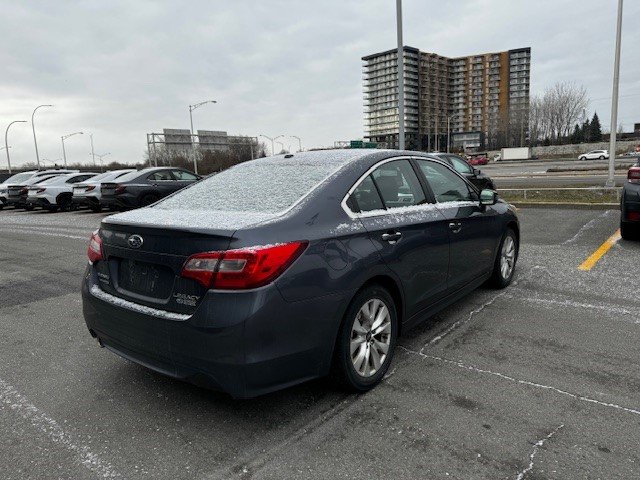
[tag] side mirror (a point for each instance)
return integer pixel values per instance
(488, 197)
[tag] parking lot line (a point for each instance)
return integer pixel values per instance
(590, 262)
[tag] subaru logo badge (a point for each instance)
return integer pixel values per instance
(135, 241)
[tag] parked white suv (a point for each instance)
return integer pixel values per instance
(55, 193)
(20, 179)
(594, 155)
(88, 193)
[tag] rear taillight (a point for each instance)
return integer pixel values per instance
(634, 175)
(24, 191)
(90, 187)
(94, 252)
(633, 216)
(242, 268)
(119, 189)
(40, 190)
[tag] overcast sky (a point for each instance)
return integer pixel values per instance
(121, 69)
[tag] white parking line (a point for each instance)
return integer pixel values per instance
(536, 446)
(521, 382)
(49, 234)
(10, 398)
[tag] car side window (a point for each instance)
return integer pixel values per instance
(460, 165)
(398, 184)
(78, 179)
(365, 197)
(185, 176)
(446, 185)
(162, 175)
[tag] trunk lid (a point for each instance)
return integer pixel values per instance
(143, 264)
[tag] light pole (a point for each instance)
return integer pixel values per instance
(6, 141)
(281, 146)
(611, 182)
(33, 127)
(191, 109)
(299, 142)
(93, 155)
(449, 129)
(63, 138)
(400, 76)
(273, 147)
(100, 157)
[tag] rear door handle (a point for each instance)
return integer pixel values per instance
(455, 227)
(391, 237)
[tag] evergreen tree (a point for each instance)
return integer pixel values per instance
(576, 136)
(586, 131)
(595, 129)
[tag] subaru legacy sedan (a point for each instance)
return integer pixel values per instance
(288, 268)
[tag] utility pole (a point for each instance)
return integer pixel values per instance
(6, 141)
(101, 164)
(611, 181)
(33, 127)
(93, 155)
(400, 55)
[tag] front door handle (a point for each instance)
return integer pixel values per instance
(455, 227)
(392, 237)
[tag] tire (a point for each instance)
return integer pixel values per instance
(148, 199)
(64, 202)
(601, 157)
(344, 369)
(52, 209)
(582, 159)
(629, 231)
(96, 208)
(508, 246)
(29, 208)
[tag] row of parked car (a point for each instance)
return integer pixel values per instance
(62, 190)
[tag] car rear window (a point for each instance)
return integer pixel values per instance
(259, 186)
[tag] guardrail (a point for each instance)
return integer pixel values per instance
(596, 195)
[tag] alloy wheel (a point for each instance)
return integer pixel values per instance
(370, 337)
(507, 257)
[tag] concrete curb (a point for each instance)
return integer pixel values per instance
(568, 206)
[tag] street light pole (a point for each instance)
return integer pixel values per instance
(93, 155)
(6, 141)
(611, 182)
(281, 146)
(299, 142)
(33, 127)
(273, 147)
(100, 157)
(400, 55)
(191, 109)
(63, 138)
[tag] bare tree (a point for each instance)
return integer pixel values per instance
(554, 114)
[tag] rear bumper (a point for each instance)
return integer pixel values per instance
(85, 201)
(119, 201)
(17, 202)
(38, 202)
(243, 343)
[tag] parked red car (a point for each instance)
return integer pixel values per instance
(478, 159)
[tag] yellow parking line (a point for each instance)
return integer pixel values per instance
(590, 262)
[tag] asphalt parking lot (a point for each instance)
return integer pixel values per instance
(541, 380)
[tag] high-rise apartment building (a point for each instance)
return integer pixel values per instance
(484, 99)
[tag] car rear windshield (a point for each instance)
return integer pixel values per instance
(18, 178)
(127, 177)
(259, 186)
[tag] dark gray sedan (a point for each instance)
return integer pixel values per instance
(144, 187)
(289, 268)
(630, 205)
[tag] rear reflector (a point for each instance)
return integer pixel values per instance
(634, 175)
(89, 188)
(243, 268)
(120, 189)
(94, 252)
(40, 190)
